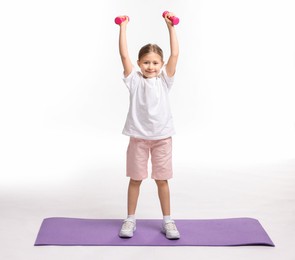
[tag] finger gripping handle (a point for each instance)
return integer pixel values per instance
(119, 20)
(173, 19)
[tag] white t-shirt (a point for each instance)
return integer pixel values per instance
(149, 115)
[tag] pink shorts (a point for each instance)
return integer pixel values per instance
(161, 157)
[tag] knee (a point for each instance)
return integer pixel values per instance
(161, 183)
(135, 182)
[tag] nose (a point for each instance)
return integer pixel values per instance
(150, 66)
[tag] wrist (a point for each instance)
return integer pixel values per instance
(123, 28)
(170, 28)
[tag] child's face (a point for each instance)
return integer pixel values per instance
(150, 65)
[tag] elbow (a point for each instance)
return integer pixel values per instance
(124, 57)
(174, 52)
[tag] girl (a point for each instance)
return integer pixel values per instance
(149, 124)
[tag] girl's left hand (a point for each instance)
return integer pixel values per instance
(167, 20)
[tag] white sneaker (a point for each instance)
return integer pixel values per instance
(127, 229)
(170, 230)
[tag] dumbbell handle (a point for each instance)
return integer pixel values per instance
(173, 19)
(119, 20)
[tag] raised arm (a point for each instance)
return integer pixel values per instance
(126, 62)
(174, 48)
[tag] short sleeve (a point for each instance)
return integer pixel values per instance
(131, 80)
(166, 79)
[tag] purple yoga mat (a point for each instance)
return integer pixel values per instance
(104, 232)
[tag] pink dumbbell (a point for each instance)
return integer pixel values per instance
(119, 20)
(173, 19)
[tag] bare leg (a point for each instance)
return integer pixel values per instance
(164, 196)
(133, 193)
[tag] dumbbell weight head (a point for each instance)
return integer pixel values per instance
(173, 19)
(120, 19)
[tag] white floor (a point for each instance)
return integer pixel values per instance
(58, 186)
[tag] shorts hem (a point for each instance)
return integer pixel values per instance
(136, 179)
(161, 179)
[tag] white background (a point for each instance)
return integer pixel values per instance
(63, 106)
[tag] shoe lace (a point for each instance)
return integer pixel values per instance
(171, 226)
(128, 225)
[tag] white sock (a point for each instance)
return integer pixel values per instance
(131, 218)
(167, 219)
